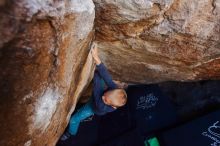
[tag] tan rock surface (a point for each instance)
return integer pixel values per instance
(45, 64)
(157, 40)
(43, 53)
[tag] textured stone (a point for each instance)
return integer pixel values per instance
(45, 64)
(146, 41)
(43, 67)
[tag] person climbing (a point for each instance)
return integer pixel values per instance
(107, 96)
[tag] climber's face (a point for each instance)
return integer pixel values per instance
(115, 98)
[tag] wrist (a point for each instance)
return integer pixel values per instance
(97, 61)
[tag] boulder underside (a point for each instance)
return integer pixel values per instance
(45, 64)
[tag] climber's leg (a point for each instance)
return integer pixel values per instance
(83, 113)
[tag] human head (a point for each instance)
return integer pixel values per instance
(115, 98)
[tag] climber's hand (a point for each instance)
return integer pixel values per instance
(95, 54)
(121, 85)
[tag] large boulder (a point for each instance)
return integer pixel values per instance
(44, 67)
(148, 41)
(45, 64)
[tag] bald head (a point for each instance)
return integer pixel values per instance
(115, 98)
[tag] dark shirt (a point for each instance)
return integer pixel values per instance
(99, 107)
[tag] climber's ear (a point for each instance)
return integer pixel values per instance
(104, 99)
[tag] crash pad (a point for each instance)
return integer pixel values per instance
(204, 131)
(150, 108)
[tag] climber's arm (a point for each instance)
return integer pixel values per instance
(103, 72)
(106, 76)
(97, 88)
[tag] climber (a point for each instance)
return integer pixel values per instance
(108, 95)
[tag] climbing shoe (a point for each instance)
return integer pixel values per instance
(65, 136)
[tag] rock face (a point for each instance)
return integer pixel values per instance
(147, 41)
(45, 63)
(44, 67)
